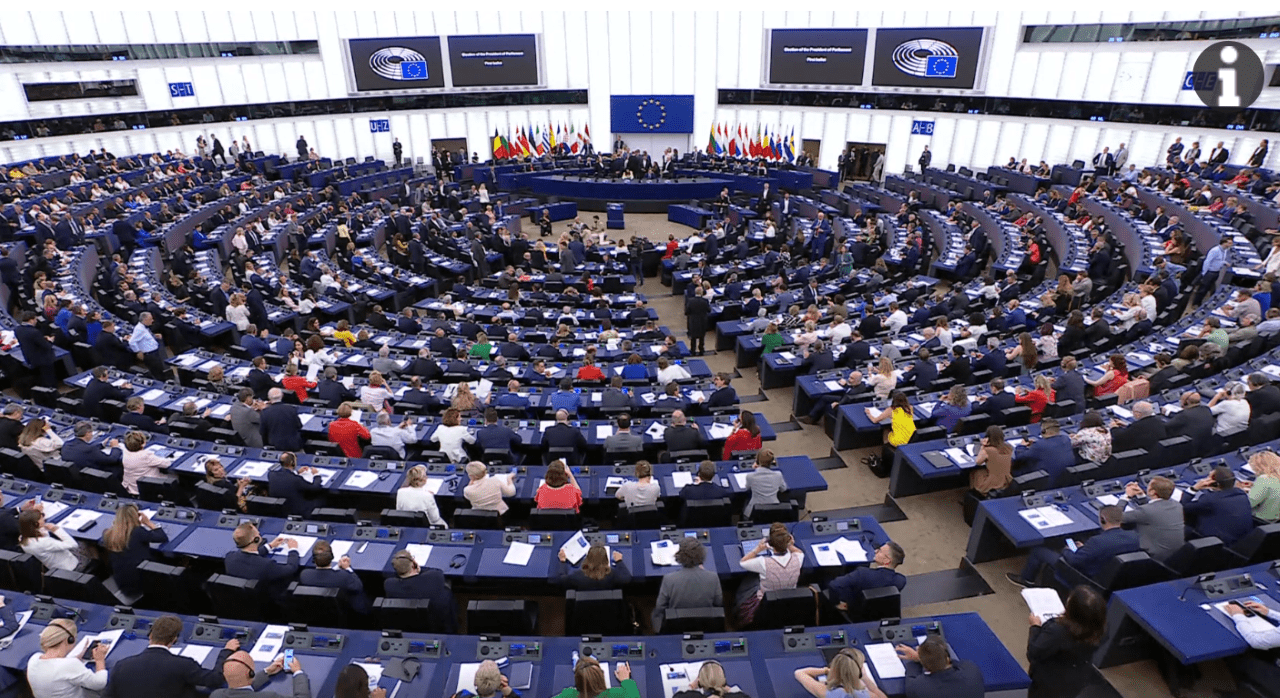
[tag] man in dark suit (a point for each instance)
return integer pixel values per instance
(513, 349)
(258, 379)
(82, 453)
(994, 360)
(155, 671)
(998, 401)
(1145, 432)
(696, 310)
(563, 435)
(100, 389)
(135, 416)
(1069, 385)
(705, 486)
(924, 372)
(407, 324)
(1051, 452)
(1194, 421)
(252, 559)
(37, 349)
(845, 590)
(681, 436)
(414, 582)
(1263, 396)
(724, 395)
(343, 577)
(280, 426)
(332, 391)
(494, 436)
(1219, 509)
(415, 395)
(1089, 557)
(930, 673)
(817, 358)
(287, 482)
(958, 368)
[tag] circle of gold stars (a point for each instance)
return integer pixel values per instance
(640, 114)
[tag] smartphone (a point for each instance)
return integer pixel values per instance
(1242, 607)
(88, 651)
(288, 657)
(1071, 545)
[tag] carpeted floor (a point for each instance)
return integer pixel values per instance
(932, 531)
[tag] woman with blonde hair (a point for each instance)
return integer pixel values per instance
(376, 394)
(128, 543)
(588, 681)
(416, 496)
(139, 462)
(711, 681)
(238, 312)
(464, 400)
(846, 677)
(54, 672)
(39, 441)
(1264, 491)
(952, 408)
(595, 573)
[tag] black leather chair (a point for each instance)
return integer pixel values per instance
(782, 512)
(409, 615)
(1259, 545)
(334, 515)
(163, 488)
(317, 606)
(1199, 556)
(403, 519)
(241, 594)
(1121, 572)
(706, 513)
(20, 570)
(784, 607)
(515, 617)
(477, 519)
(167, 588)
(877, 603)
(260, 505)
(554, 520)
(598, 613)
(684, 620)
(81, 586)
(648, 517)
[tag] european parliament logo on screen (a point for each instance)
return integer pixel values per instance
(927, 58)
(398, 63)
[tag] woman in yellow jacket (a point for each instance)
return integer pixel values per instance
(588, 681)
(902, 426)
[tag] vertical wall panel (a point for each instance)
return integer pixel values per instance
(1076, 69)
(1010, 143)
(836, 127)
(598, 73)
(1034, 138)
(751, 31)
(728, 34)
(293, 74)
(137, 25)
(619, 53)
(419, 142)
(966, 132)
(556, 62)
(204, 79)
(685, 66)
(242, 26)
(984, 146)
(19, 28)
(49, 27)
(1103, 70)
(255, 83)
(642, 45)
(701, 74)
(665, 54)
(80, 28)
(1048, 75)
(219, 24)
(942, 143)
(110, 26)
(234, 87)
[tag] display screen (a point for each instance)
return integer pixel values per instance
(404, 63)
(494, 59)
(939, 58)
(817, 56)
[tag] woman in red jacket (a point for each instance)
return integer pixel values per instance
(1036, 399)
(745, 438)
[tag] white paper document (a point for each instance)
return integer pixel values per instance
(1045, 517)
(22, 619)
(341, 549)
(885, 661)
(604, 431)
(152, 394)
(873, 414)
(1044, 602)
(196, 652)
(79, 518)
(420, 552)
(269, 644)
(680, 478)
(362, 479)
(656, 431)
(518, 554)
(110, 638)
(833, 386)
(304, 546)
(851, 550)
(741, 480)
(719, 430)
(958, 456)
(575, 548)
(663, 552)
(825, 555)
(253, 468)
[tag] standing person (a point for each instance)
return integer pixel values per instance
(779, 569)
(398, 150)
(1060, 650)
(1217, 265)
(37, 349)
(926, 157)
(303, 150)
(697, 309)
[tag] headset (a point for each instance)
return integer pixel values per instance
(252, 671)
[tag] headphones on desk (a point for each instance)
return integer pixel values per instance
(458, 561)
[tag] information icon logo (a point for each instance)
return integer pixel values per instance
(1239, 76)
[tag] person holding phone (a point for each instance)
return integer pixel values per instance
(1257, 625)
(243, 680)
(54, 673)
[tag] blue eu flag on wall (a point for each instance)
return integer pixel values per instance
(941, 66)
(651, 113)
(413, 70)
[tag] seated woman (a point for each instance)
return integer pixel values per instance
(128, 543)
(771, 340)
(952, 408)
(416, 496)
(595, 573)
(1036, 399)
(486, 493)
(995, 461)
(710, 681)
(1060, 650)
(635, 370)
(1026, 352)
(644, 491)
(902, 423)
(745, 437)
(588, 681)
(1264, 491)
(847, 677)
(780, 569)
(39, 441)
(560, 491)
(234, 492)
(139, 462)
(1093, 440)
(1115, 375)
(48, 543)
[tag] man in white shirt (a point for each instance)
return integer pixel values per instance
(840, 331)
(1258, 631)
(897, 319)
(668, 371)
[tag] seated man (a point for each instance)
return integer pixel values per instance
(1089, 557)
(1159, 521)
(623, 440)
(252, 560)
(287, 482)
(343, 577)
(496, 437)
(846, 590)
(691, 586)
(564, 435)
(134, 417)
(681, 436)
(413, 582)
(1219, 508)
(705, 486)
(930, 673)
(1051, 452)
(724, 395)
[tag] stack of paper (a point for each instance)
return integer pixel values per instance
(656, 431)
(873, 414)
(304, 546)
(958, 456)
(719, 430)
(326, 475)
(79, 518)
(22, 619)
(196, 652)
(375, 673)
(253, 468)
(518, 553)
(663, 553)
(152, 394)
(1045, 517)
(825, 555)
(269, 644)
(741, 480)
(362, 479)
(420, 552)
(833, 386)
(1044, 603)
(604, 431)
(851, 550)
(885, 661)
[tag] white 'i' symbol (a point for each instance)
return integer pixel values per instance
(1227, 78)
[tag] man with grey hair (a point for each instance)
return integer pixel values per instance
(83, 453)
(395, 438)
(245, 420)
(1263, 397)
(691, 586)
(280, 426)
(1246, 332)
(1145, 432)
(383, 363)
(332, 391)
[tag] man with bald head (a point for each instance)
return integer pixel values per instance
(244, 680)
(681, 436)
(1194, 421)
(564, 435)
(1146, 431)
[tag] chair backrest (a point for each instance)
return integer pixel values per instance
(683, 620)
(412, 615)
(69, 584)
(259, 505)
(554, 520)
(646, 517)
(166, 588)
(706, 513)
(163, 488)
(1131, 570)
(1200, 556)
(19, 570)
(1137, 389)
(1260, 544)
(402, 518)
(380, 453)
(597, 612)
(333, 514)
(318, 605)
(209, 496)
(477, 519)
(783, 607)
(241, 594)
(782, 512)
(509, 617)
(878, 603)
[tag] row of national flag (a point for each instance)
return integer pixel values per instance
(737, 141)
(537, 141)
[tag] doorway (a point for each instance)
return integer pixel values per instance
(860, 159)
(451, 146)
(811, 147)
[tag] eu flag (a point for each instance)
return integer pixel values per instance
(413, 70)
(941, 66)
(651, 113)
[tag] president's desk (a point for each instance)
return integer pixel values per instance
(761, 663)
